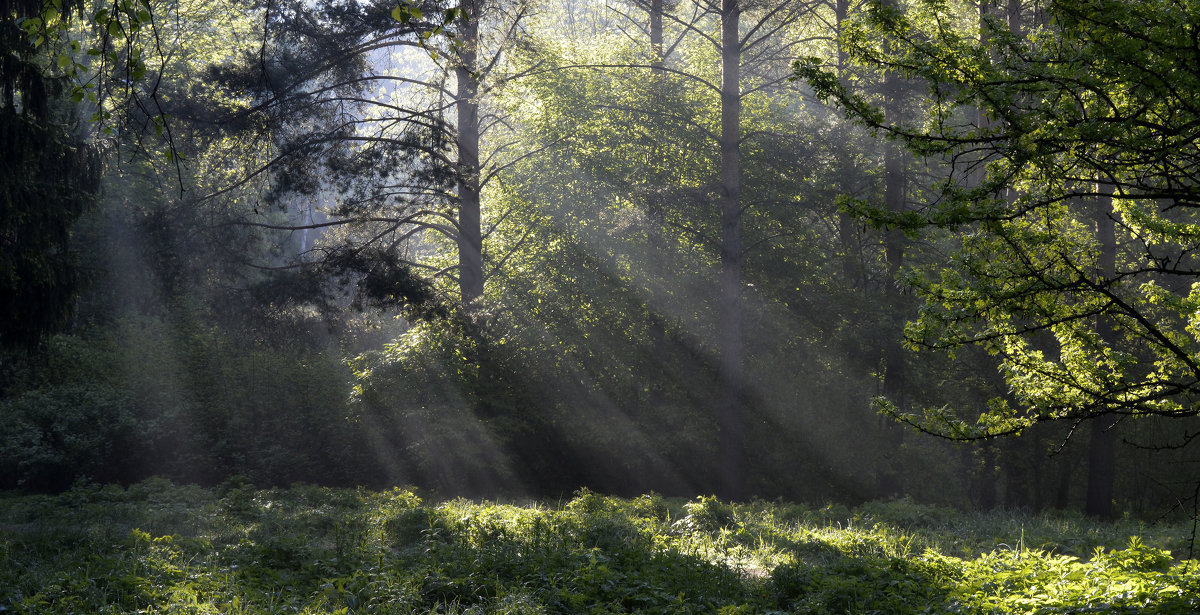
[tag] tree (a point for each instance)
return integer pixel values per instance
(752, 42)
(642, 154)
(48, 176)
(59, 61)
(389, 121)
(1099, 103)
(760, 43)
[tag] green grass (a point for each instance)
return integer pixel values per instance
(160, 548)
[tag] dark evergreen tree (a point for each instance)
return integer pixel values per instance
(48, 176)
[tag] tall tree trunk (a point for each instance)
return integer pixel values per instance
(730, 420)
(1015, 464)
(847, 225)
(466, 102)
(656, 216)
(1102, 447)
(1062, 495)
(981, 120)
(985, 496)
(895, 375)
(1014, 18)
(656, 36)
(470, 228)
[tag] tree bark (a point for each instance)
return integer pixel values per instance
(656, 36)
(985, 496)
(1102, 447)
(1014, 18)
(1101, 469)
(979, 174)
(656, 216)
(895, 375)
(847, 225)
(470, 234)
(730, 420)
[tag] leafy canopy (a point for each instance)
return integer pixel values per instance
(1049, 131)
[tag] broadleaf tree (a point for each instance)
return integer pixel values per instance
(1071, 211)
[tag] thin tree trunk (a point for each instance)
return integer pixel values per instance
(986, 495)
(657, 219)
(1062, 495)
(981, 120)
(470, 237)
(656, 36)
(1102, 447)
(847, 225)
(1015, 466)
(730, 420)
(895, 376)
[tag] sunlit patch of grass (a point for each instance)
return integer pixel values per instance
(160, 548)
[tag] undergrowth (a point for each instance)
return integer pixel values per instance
(161, 548)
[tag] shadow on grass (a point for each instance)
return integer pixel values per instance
(315, 550)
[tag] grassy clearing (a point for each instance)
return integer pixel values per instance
(160, 548)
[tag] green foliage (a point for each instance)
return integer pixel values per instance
(1120, 581)
(50, 437)
(1081, 121)
(160, 548)
(184, 401)
(424, 390)
(48, 179)
(859, 585)
(707, 514)
(607, 300)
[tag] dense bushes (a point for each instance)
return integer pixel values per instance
(50, 437)
(186, 402)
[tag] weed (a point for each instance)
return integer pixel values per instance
(158, 547)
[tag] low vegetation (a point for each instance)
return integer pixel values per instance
(160, 548)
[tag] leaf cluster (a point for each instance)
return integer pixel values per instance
(1044, 135)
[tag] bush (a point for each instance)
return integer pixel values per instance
(50, 438)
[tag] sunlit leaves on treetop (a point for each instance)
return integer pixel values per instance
(1097, 92)
(118, 26)
(109, 52)
(409, 13)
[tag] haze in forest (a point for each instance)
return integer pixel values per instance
(813, 250)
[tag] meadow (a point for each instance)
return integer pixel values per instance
(157, 547)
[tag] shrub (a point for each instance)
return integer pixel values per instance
(49, 438)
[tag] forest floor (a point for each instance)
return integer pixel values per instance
(160, 548)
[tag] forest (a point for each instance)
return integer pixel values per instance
(648, 259)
